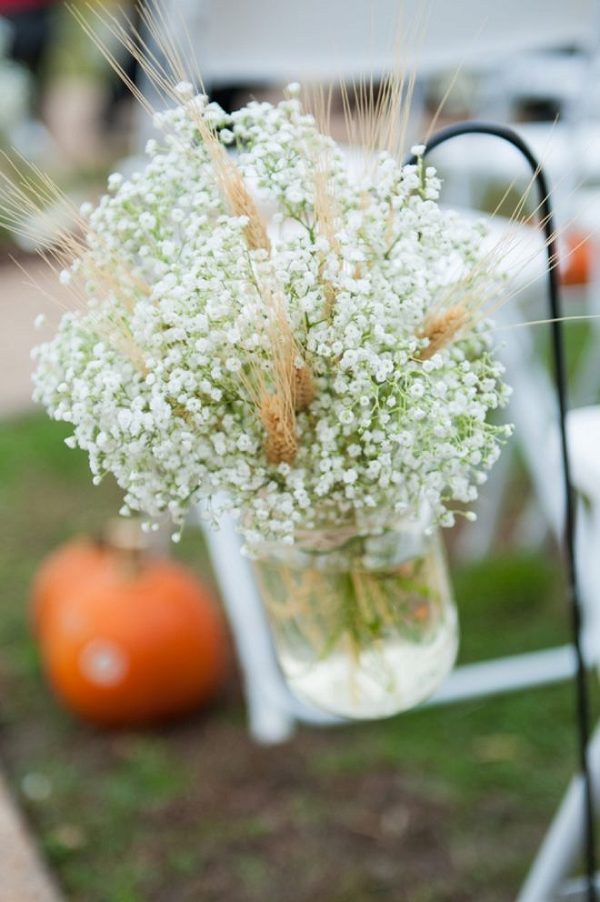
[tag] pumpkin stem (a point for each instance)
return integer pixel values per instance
(125, 538)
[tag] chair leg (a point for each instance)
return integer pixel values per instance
(270, 718)
(564, 839)
(269, 722)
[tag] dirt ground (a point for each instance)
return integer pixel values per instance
(23, 296)
(288, 824)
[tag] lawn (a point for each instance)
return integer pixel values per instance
(432, 806)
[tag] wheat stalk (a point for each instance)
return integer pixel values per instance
(442, 328)
(281, 445)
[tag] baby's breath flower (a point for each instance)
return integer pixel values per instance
(163, 376)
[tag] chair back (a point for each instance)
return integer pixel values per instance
(274, 41)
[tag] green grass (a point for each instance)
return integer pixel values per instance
(196, 812)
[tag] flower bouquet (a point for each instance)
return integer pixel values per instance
(264, 333)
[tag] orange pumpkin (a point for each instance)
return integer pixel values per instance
(127, 642)
(73, 563)
(577, 268)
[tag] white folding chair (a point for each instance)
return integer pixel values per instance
(273, 41)
(564, 839)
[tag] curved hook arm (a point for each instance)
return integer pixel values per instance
(560, 380)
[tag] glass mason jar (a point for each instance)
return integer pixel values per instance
(364, 626)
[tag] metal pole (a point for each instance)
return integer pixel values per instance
(560, 377)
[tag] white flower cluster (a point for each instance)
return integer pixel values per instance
(155, 373)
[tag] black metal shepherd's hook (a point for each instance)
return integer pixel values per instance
(560, 379)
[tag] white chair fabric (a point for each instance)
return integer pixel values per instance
(274, 41)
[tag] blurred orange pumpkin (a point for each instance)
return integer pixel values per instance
(77, 561)
(126, 641)
(577, 267)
